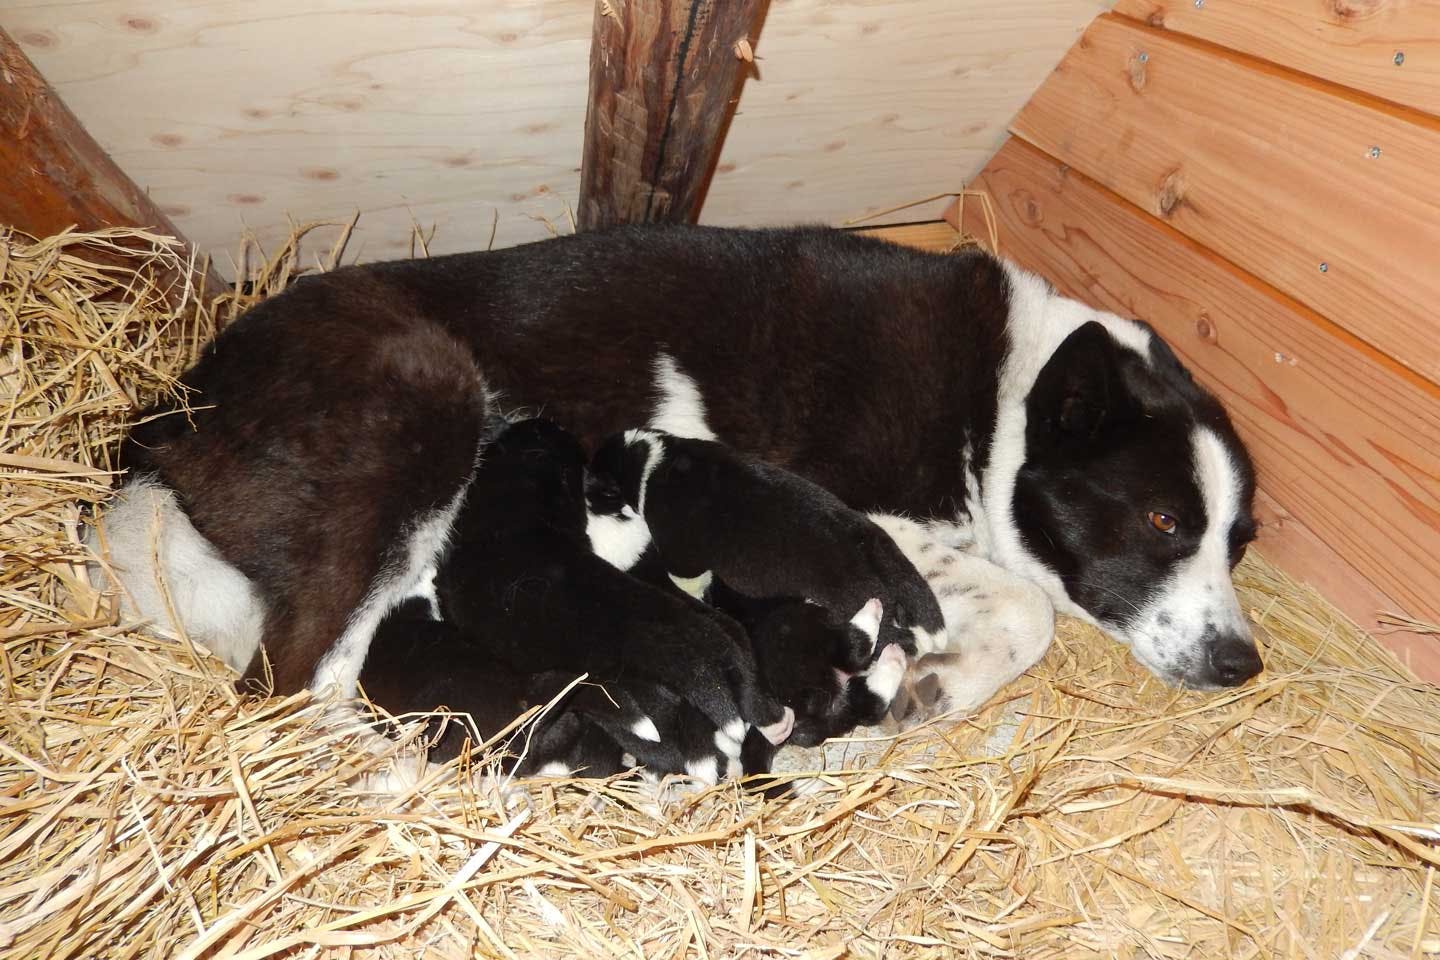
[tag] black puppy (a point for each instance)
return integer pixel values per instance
(818, 664)
(765, 531)
(522, 577)
(417, 664)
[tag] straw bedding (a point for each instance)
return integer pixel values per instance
(146, 811)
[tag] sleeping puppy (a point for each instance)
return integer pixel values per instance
(816, 663)
(417, 665)
(765, 531)
(521, 575)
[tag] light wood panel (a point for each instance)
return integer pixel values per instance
(438, 112)
(55, 176)
(448, 112)
(1347, 441)
(1389, 48)
(1272, 172)
(864, 104)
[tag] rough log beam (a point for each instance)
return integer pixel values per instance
(55, 175)
(664, 76)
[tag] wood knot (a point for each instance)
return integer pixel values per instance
(1204, 329)
(1031, 213)
(1139, 70)
(1346, 10)
(1171, 193)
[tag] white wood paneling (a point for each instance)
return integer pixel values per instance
(864, 104)
(451, 112)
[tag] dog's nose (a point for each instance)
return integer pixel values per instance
(1234, 659)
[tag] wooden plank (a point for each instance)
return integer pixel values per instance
(1270, 170)
(1388, 48)
(1307, 559)
(55, 175)
(862, 106)
(664, 79)
(1345, 439)
(936, 236)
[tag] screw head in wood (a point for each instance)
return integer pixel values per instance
(1199, 4)
(1143, 57)
(1399, 57)
(1374, 153)
(1324, 267)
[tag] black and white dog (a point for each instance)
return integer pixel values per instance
(336, 426)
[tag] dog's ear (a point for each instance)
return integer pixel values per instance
(1080, 391)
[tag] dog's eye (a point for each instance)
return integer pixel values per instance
(1162, 522)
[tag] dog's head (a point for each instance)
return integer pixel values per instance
(1134, 500)
(536, 469)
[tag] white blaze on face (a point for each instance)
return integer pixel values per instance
(679, 408)
(652, 460)
(1198, 600)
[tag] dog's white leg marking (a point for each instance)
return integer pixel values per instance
(729, 746)
(216, 605)
(427, 592)
(619, 540)
(884, 676)
(867, 621)
(679, 408)
(554, 769)
(645, 729)
(706, 770)
(339, 669)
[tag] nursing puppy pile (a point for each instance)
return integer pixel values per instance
(830, 479)
(523, 605)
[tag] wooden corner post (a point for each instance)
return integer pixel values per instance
(664, 77)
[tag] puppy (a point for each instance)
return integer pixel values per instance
(816, 663)
(764, 531)
(417, 664)
(521, 575)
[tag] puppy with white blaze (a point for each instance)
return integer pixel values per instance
(334, 429)
(764, 531)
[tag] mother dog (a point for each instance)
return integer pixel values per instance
(335, 428)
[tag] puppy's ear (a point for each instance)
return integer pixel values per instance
(1079, 393)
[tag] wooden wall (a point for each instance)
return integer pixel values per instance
(451, 112)
(1261, 180)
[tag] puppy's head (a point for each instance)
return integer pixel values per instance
(537, 462)
(1134, 503)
